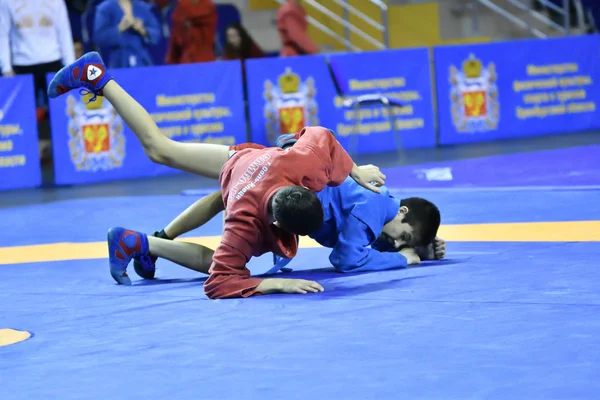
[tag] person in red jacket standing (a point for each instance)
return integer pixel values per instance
(292, 26)
(268, 193)
(192, 32)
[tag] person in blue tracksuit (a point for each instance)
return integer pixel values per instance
(356, 225)
(125, 31)
(366, 231)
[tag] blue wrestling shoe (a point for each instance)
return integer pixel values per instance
(123, 245)
(145, 265)
(87, 73)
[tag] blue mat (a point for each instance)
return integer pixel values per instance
(507, 321)
(493, 321)
(85, 220)
(571, 167)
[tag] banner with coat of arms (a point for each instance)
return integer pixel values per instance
(474, 96)
(96, 139)
(290, 104)
(286, 94)
(19, 148)
(521, 88)
(401, 113)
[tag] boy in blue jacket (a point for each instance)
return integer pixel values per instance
(365, 230)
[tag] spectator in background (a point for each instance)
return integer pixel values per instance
(124, 30)
(293, 27)
(193, 32)
(163, 3)
(35, 38)
(77, 6)
(239, 45)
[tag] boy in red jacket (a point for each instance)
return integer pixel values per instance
(268, 193)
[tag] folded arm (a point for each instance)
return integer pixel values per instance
(230, 278)
(351, 253)
(336, 164)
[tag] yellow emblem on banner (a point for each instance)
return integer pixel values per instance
(474, 100)
(290, 105)
(475, 103)
(291, 119)
(96, 140)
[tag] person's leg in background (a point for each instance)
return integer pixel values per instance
(39, 72)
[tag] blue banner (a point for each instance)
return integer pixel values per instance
(285, 94)
(190, 103)
(517, 89)
(403, 76)
(19, 146)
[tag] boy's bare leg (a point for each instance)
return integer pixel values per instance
(190, 255)
(196, 215)
(89, 73)
(198, 158)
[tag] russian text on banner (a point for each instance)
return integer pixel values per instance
(19, 146)
(517, 88)
(402, 76)
(190, 103)
(286, 94)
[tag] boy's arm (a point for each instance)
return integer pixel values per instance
(229, 277)
(336, 163)
(435, 251)
(351, 253)
(320, 142)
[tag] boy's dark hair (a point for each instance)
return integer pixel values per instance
(424, 217)
(297, 210)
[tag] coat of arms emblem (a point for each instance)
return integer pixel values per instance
(96, 140)
(474, 96)
(290, 105)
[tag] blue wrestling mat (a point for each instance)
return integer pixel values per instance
(512, 313)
